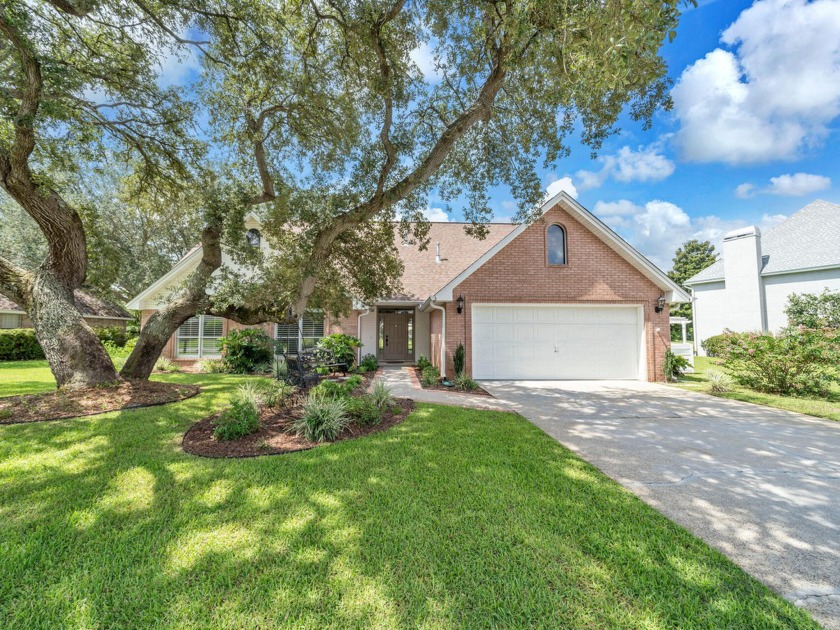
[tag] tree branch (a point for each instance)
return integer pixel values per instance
(15, 282)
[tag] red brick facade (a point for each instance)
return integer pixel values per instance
(520, 273)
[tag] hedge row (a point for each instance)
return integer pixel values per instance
(19, 344)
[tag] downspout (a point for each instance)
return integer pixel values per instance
(359, 323)
(442, 336)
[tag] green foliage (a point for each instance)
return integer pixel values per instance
(276, 393)
(368, 364)
(241, 419)
(343, 347)
(814, 310)
(323, 418)
(381, 395)
(465, 382)
(459, 359)
(211, 366)
(423, 363)
(337, 389)
(795, 361)
(715, 344)
(430, 376)
(19, 344)
(165, 364)
(364, 410)
(251, 392)
(115, 335)
(245, 350)
(674, 365)
(691, 258)
(280, 370)
(719, 381)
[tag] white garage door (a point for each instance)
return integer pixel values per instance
(555, 341)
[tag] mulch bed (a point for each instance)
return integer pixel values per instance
(478, 391)
(89, 401)
(275, 436)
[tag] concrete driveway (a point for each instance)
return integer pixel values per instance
(759, 484)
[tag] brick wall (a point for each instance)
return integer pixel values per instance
(594, 274)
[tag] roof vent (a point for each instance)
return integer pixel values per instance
(437, 256)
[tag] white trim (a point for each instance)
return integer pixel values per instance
(442, 336)
(134, 303)
(200, 338)
(673, 292)
(764, 274)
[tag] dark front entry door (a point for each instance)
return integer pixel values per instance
(395, 330)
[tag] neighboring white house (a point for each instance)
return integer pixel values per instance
(748, 288)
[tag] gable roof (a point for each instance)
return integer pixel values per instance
(675, 294)
(807, 239)
(88, 305)
(424, 278)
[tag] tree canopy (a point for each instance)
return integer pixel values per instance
(691, 258)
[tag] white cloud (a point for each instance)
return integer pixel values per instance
(563, 183)
(796, 185)
(436, 214)
(658, 228)
(645, 164)
(772, 94)
(424, 57)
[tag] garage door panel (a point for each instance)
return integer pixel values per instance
(555, 342)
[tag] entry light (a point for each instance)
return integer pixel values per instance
(460, 303)
(660, 304)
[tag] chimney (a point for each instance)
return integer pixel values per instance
(437, 256)
(742, 264)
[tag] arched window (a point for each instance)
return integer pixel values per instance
(254, 237)
(556, 241)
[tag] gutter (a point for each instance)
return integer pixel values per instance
(431, 303)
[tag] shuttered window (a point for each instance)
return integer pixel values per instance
(199, 337)
(9, 320)
(302, 334)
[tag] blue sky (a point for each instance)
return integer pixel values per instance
(751, 139)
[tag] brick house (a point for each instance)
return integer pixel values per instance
(562, 298)
(97, 313)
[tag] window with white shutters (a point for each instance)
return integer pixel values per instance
(199, 337)
(187, 339)
(9, 320)
(302, 334)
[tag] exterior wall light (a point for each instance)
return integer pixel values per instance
(660, 304)
(460, 303)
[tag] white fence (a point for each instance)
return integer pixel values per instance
(685, 350)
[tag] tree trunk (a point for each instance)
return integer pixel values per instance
(76, 356)
(157, 331)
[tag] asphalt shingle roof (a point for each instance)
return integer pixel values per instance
(807, 239)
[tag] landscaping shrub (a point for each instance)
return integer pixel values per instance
(423, 363)
(280, 370)
(211, 366)
(465, 382)
(240, 420)
(323, 419)
(164, 364)
(381, 395)
(814, 310)
(342, 346)
(719, 382)
(715, 344)
(19, 344)
(364, 410)
(252, 392)
(246, 350)
(276, 393)
(796, 361)
(459, 359)
(430, 376)
(368, 364)
(112, 334)
(336, 389)
(674, 365)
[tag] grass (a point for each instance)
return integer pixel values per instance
(455, 518)
(828, 407)
(25, 377)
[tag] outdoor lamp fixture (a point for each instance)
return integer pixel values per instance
(460, 303)
(660, 304)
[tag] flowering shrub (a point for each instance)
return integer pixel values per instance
(795, 361)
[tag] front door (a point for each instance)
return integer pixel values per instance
(395, 335)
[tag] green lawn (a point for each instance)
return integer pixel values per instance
(25, 377)
(455, 518)
(821, 407)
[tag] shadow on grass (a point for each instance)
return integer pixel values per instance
(453, 518)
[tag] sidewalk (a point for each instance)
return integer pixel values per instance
(403, 385)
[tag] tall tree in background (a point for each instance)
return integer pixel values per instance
(691, 258)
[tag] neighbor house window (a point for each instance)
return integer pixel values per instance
(301, 334)
(9, 320)
(199, 337)
(253, 237)
(556, 245)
